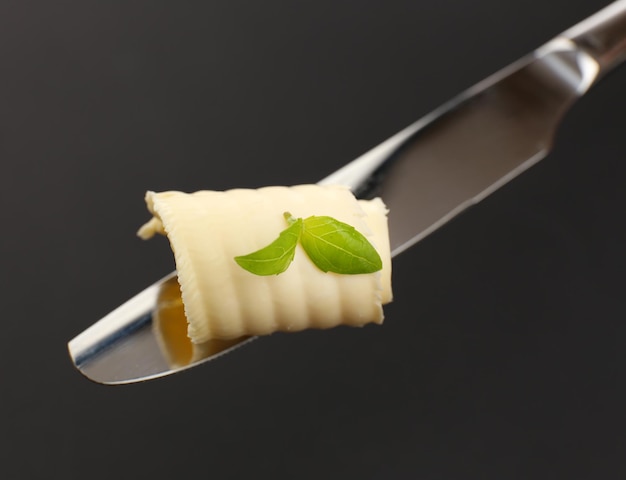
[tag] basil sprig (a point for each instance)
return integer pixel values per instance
(333, 246)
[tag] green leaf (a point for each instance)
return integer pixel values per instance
(277, 256)
(334, 246)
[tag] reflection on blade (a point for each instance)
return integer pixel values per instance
(124, 347)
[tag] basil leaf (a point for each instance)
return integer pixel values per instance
(277, 256)
(334, 246)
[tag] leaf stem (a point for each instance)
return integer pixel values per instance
(290, 218)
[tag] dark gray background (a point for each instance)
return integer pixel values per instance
(503, 353)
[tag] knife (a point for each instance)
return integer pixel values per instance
(427, 173)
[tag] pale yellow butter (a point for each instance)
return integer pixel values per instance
(207, 229)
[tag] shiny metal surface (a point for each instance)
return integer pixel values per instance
(427, 173)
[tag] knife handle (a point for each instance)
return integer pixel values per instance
(603, 36)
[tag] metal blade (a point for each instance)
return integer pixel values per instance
(427, 174)
(462, 152)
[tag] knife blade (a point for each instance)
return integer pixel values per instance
(427, 174)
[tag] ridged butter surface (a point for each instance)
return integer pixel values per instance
(207, 229)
